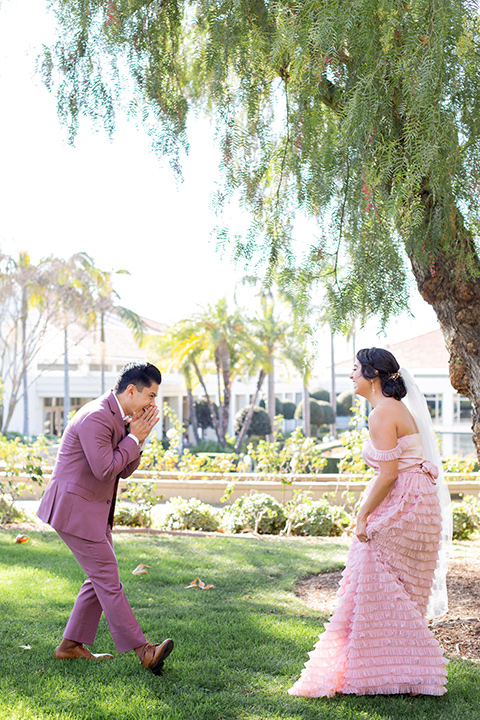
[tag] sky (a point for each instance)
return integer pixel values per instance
(115, 199)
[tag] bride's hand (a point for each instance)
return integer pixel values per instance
(360, 530)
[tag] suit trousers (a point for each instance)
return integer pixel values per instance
(101, 591)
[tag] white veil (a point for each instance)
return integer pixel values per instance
(416, 403)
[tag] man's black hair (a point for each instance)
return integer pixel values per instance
(140, 374)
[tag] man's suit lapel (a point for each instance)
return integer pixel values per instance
(121, 430)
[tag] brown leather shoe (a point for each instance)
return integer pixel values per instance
(79, 652)
(154, 655)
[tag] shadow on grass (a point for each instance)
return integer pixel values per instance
(238, 647)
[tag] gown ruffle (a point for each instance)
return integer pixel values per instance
(378, 640)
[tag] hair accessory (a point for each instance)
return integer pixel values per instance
(395, 375)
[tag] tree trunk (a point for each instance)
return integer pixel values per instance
(207, 398)
(248, 419)
(193, 414)
(333, 391)
(454, 293)
(271, 394)
(102, 352)
(66, 380)
(306, 410)
(26, 419)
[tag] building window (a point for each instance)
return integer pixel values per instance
(434, 403)
(56, 367)
(53, 413)
(462, 411)
(95, 367)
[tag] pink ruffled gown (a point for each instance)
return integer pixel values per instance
(378, 640)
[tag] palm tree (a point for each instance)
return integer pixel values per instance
(105, 302)
(177, 348)
(212, 341)
(274, 337)
(25, 310)
(71, 285)
(228, 340)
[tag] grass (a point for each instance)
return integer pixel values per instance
(238, 648)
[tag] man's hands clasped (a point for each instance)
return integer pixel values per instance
(143, 422)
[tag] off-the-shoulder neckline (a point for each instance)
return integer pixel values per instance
(399, 440)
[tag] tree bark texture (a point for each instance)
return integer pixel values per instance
(454, 294)
(248, 419)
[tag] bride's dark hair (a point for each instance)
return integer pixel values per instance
(377, 362)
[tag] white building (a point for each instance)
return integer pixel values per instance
(426, 357)
(46, 378)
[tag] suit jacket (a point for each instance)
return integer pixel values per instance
(95, 451)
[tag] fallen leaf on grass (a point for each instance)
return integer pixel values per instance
(140, 569)
(197, 583)
(21, 538)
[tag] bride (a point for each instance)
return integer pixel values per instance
(378, 640)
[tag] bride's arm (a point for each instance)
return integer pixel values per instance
(383, 433)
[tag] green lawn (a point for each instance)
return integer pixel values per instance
(238, 648)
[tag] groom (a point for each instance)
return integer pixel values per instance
(97, 449)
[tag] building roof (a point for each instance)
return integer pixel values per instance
(424, 352)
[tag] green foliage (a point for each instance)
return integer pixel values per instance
(466, 518)
(288, 410)
(153, 455)
(128, 515)
(287, 457)
(9, 513)
(320, 394)
(20, 459)
(258, 513)
(460, 466)
(352, 462)
(144, 496)
(315, 517)
(210, 446)
(278, 405)
(182, 514)
(260, 424)
(345, 403)
(202, 411)
(321, 413)
(350, 112)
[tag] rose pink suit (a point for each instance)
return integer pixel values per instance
(378, 640)
(79, 502)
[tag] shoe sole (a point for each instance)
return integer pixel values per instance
(157, 668)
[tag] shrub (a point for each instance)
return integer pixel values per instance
(319, 518)
(278, 405)
(260, 424)
(345, 403)
(352, 462)
(289, 408)
(320, 394)
(131, 516)
(466, 518)
(460, 466)
(192, 514)
(9, 513)
(20, 458)
(202, 411)
(210, 446)
(321, 413)
(295, 455)
(257, 512)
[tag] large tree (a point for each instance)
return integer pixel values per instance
(365, 114)
(26, 307)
